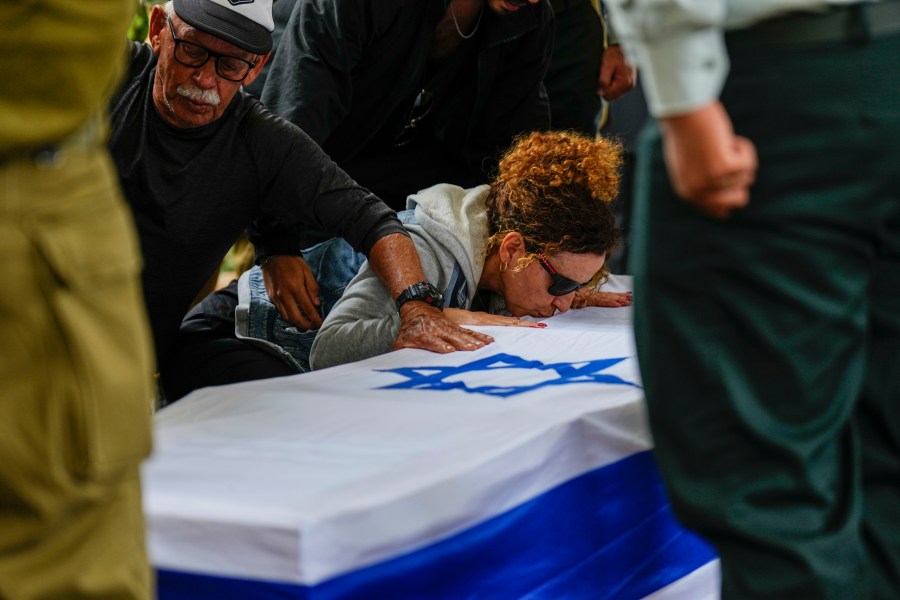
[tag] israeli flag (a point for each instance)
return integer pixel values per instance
(522, 470)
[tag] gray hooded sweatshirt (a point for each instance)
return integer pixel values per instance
(449, 227)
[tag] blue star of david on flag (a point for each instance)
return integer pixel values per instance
(547, 375)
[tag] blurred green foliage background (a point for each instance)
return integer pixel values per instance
(140, 24)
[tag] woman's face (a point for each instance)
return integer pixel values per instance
(526, 291)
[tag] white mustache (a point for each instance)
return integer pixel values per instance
(210, 97)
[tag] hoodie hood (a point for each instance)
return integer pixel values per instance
(455, 219)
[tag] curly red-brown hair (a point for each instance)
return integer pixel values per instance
(555, 188)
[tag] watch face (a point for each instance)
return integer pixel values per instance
(422, 292)
(427, 293)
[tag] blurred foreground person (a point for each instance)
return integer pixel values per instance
(75, 373)
(768, 314)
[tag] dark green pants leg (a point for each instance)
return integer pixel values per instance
(769, 342)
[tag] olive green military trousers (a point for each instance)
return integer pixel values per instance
(769, 343)
(75, 382)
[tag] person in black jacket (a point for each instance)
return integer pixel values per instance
(199, 159)
(588, 67)
(408, 93)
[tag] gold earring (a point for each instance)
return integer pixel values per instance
(503, 267)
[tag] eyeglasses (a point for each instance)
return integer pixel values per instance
(560, 285)
(194, 55)
(420, 109)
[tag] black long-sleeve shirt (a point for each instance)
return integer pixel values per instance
(193, 191)
(347, 73)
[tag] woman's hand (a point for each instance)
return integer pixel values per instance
(468, 317)
(591, 297)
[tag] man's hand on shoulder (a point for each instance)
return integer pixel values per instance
(426, 327)
(395, 262)
(293, 289)
(709, 166)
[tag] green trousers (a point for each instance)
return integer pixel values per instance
(769, 343)
(75, 383)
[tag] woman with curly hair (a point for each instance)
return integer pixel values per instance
(524, 245)
(533, 242)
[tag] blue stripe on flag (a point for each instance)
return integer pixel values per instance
(609, 533)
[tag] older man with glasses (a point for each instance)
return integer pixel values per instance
(199, 160)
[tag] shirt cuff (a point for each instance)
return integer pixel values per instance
(382, 229)
(261, 251)
(683, 71)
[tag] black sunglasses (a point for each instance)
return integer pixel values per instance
(560, 284)
(194, 55)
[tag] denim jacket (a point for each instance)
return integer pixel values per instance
(333, 262)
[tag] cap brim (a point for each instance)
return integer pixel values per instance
(225, 24)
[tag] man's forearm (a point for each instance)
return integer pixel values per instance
(708, 164)
(395, 261)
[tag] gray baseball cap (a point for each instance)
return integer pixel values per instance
(247, 24)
